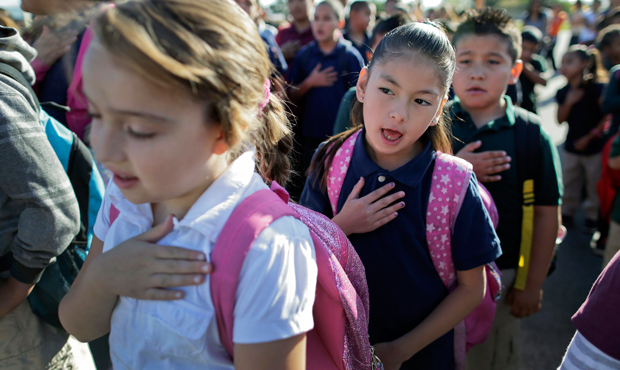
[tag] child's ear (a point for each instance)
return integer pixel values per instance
(341, 24)
(221, 146)
(515, 72)
(362, 81)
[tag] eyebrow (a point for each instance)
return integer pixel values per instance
(131, 113)
(391, 80)
(469, 52)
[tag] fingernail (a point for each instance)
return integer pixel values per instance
(201, 257)
(392, 184)
(196, 279)
(402, 204)
(402, 194)
(395, 214)
(508, 158)
(178, 295)
(206, 268)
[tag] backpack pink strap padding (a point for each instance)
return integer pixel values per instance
(245, 224)
(338, 170)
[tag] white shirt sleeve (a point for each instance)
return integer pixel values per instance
(102, 224)
(277, 284)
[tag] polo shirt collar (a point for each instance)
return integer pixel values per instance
(410, 174)
(212, 209)
(506, 121)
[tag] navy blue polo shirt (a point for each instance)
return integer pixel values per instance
(55, 85)
(321, 103)
(363, 47)
(404, 286)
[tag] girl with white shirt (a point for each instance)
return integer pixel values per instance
(179, 96)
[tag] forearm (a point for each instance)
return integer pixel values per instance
(564, 111)
(451, 311)
(12, 294)
(546, 223)
(297, 92)
(535, 76)
(86, 310)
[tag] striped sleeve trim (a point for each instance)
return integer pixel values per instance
(583, 355)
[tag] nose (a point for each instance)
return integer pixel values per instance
(476, 72)
(399, 112)
(107, 142)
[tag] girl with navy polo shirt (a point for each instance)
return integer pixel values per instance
(401, 95)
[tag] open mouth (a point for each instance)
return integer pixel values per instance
(391, 135)
(124, 181)
(476, 90)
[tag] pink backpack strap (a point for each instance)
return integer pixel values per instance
(244, 225)
(338, 170)
(448, 187)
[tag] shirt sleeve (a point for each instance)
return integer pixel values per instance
(276, 285)
(611, 99)
(32, 177)
(474, 241)
(548, 186)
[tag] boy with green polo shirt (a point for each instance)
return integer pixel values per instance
(495, 137)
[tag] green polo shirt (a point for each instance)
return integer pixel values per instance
(507, 193)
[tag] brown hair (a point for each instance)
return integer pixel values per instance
(594, 71)
(212, 49)
(428, 40)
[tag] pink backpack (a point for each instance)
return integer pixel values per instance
(451, 177)
(339, 340)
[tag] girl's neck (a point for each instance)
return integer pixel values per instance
(482, 116)
(394, 161)
(302, 26)
(181, 205)
(327, 46)
(575, 81)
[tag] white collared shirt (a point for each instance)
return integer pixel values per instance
(274, 298)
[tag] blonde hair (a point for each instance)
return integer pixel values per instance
(211, 49)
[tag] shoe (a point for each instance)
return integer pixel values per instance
(598, 244)
(590, 226)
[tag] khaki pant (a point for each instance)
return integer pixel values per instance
(575, 170)
(613, 243)
(28, 343)
(501, 349)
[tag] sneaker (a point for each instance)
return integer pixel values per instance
(590, 226)
(598, 244)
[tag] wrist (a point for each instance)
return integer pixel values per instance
(595, 132)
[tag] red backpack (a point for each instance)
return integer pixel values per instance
(609, 182)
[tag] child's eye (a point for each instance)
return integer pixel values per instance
(494, 62)
(386, 91)
(422, 102)
(140, 135)
(464, 61)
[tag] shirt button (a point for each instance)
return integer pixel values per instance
(381, 178)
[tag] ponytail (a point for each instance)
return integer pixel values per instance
(273, 141)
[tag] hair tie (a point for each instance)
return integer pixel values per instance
(266, 93)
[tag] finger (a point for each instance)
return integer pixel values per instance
(490, 178)
(178, 253)
(372, 197)
(386, 201)
(157, 294)
(176, 280)
(158, 232)
(493, 154)
(382, 221)
(496, 160)
(472, 146)
(317, 68)
(330, 74)
(46, 31)
(179, 266)
(357, 189)
(496, 169)
(329, 69)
